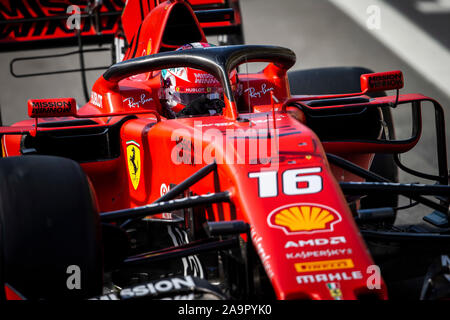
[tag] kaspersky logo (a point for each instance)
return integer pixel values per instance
(303, 218)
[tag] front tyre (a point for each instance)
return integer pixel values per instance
(49, 229)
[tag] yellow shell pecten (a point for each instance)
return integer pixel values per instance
(304, 218)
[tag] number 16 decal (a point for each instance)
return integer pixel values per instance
(295, 182)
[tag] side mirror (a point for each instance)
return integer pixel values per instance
(382, 81)
(58, 107)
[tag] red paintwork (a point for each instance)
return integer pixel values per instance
(159, 142)
(12, 294)
(148, 38)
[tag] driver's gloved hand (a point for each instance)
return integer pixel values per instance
(202, 105)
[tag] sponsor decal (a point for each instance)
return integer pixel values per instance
(96, 99)
(315, 242)
(151, 289)
(265, 258)
(138, 103)
(205, 78)
(295, 182)
(335, 290)
(51, 107)
(382, 81)
(326, 253)
(51, 104)
(134, 162)
(204, 90)
(258, 94)
(324, 265)
(303, 218)
(329, 277)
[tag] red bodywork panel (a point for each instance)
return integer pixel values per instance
(12, 294)
(279, 250)
(146, 37)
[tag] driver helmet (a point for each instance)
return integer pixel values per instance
(182, 86)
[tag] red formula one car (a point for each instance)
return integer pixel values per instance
(184, 176)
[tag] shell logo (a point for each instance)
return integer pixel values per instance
(301, 218)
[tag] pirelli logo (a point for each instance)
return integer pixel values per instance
(324, 265)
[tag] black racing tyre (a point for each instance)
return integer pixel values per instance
(338, 80)
(49, 223)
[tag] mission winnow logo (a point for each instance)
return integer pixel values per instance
(51, 107)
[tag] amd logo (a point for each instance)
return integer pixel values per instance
(315, 242)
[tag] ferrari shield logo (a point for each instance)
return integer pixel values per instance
(134, 162)
(335, 290)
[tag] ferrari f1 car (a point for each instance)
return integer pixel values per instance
(185, 176)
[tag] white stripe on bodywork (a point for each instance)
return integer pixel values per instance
(4, 146)
(175, 243)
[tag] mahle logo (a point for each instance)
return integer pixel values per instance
(303, 218)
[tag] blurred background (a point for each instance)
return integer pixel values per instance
(410, 35)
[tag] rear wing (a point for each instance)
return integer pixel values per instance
(220, 17)
(48, 24)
